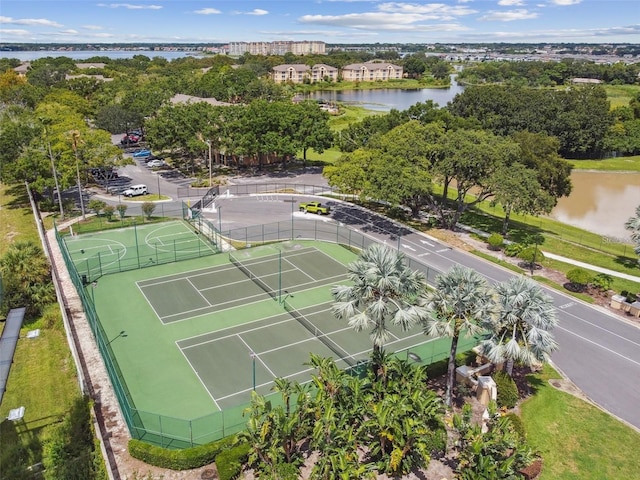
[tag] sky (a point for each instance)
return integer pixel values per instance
(330, 21)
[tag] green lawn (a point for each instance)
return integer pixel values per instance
(619, 164)
(43, 376)
(577, 440)
(620, 95)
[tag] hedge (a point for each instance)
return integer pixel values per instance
(185, 459)
(508, 394)
(229, 462)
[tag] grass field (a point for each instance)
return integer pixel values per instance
(618, 164)
(577, 440)
(43, 377)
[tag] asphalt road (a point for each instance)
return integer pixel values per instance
(598, 351)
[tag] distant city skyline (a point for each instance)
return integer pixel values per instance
(330, 21)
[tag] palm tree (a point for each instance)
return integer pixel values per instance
(460, 303)
(521, 330)
(383, 291)
(633, 224)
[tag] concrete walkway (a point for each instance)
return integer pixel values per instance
(613, 273)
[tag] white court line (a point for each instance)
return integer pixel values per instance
(199, 377)
(257, 356)
(199, 292)
(288, 319)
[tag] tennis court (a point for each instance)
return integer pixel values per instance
(190, 340)
(117, 250)
(231, 362)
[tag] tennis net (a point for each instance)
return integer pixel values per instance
(255, 279)
(319, 334)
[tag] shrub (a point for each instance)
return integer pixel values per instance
(108, 211)
(186, 459)
(513, 249)
(517, 424)
(229, 462)
(602, 281)
(579, 276)
(96, 205)
(148, 208)
(531, 254)
(122, 209)
(495, 241)
(508, 395)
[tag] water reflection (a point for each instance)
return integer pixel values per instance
(384, 99)
(601, 202)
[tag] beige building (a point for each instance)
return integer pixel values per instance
(371, 72)
(294, 73)
(277, 48)
(299, 73)
(321, 72)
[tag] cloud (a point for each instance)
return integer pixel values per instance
(69, 32)
(564, 3)
(92, 27)
(14, 31)
(258, 11)
(510, 3)
(208, 11)
(510, 16)
(130, 6)
(40, 22)
(394, 16)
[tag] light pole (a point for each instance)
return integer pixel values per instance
(253, 356)
(210, 166)
(158, 187)
(74, 137)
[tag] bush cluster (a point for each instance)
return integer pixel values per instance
(495, 241)
(186, 459)
(517, 424)
(508, 395)
(229, 462)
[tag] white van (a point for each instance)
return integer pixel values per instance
(134, 190)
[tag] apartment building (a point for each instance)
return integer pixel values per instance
(371, 72)
(277, 48)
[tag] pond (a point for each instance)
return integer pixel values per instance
(600, 202)
(385, 99)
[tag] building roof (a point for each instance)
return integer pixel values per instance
(298, 67)
(181, 98)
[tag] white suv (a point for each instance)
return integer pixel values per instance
(134, 190)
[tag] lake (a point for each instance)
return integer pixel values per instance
(83, 55)
(385, 99)
(601, 202)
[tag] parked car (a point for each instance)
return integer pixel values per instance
(142, 153)
(134, 190)
(130, 139)
(156, 163)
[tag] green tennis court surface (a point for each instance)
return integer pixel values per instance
(195, 337)
(112, 251)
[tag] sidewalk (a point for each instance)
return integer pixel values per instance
(613, 273)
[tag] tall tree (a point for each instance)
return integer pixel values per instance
(401, 171)
(470, 159)
(383, 291)
(459, 304)
(26, 278)
(518, 190)
(521, 330)
(313, 130)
